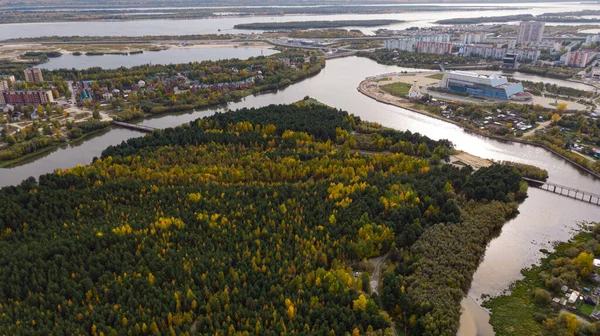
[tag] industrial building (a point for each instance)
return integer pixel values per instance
(530, 32)
(474, 84)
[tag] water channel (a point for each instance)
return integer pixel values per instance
(544, 217)
(225, 25)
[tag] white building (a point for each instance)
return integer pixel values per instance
(414, 92)
(530, 32)
(9, 77)
(470, 38)
(591, 39)
(573, 297)
(487, 51)
(410, 43)
(141, 83)
(474, 84)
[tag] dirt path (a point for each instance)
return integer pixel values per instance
(375, 276)
(541, 127)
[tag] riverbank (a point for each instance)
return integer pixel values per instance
(559, 289)
(33, 155)
(408, 105)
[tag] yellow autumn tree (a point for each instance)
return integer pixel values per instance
(360, 303)
(586, 263)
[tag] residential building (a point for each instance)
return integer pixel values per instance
(11, 78)
(2, 98)
(474, 84)
(434, 48)
(579, 59)
(591, 39)
(530, 32)
(8, 108)
(549, 45)
(6, 81)
(572, 45)
(34, 75)
(510, 60)
(487, 51)
(471, 38)
(27, 97)
(16, 116)
(410, 43)
(596, 76)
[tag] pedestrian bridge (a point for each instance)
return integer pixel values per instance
(141, 128)
(580, 195)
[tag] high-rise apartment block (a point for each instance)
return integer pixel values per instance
(530, 32)
(34, 75)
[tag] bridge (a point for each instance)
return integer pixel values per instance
(141, 128)
(579, 195)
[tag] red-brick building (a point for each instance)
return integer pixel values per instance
(30, 97)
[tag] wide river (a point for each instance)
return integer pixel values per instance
(225, 25)
(544, 217)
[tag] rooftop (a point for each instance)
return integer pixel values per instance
(473, 74)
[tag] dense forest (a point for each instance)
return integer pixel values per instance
(249, 222)
(415, 60)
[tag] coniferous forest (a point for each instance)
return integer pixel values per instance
(253, 222)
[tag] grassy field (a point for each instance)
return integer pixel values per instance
(586, 309)
(397, 89)
(436, 76)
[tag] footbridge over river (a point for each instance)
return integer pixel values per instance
(135, 127)
(580, 195)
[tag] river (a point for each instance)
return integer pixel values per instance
(171, 56)
(544, 217)
(225, 25)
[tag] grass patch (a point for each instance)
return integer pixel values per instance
(397, 89)
(436, 76)
(586, 309)
(385, 79)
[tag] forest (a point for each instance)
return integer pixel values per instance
(415, 60)
(251, 222)
(555, 17)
